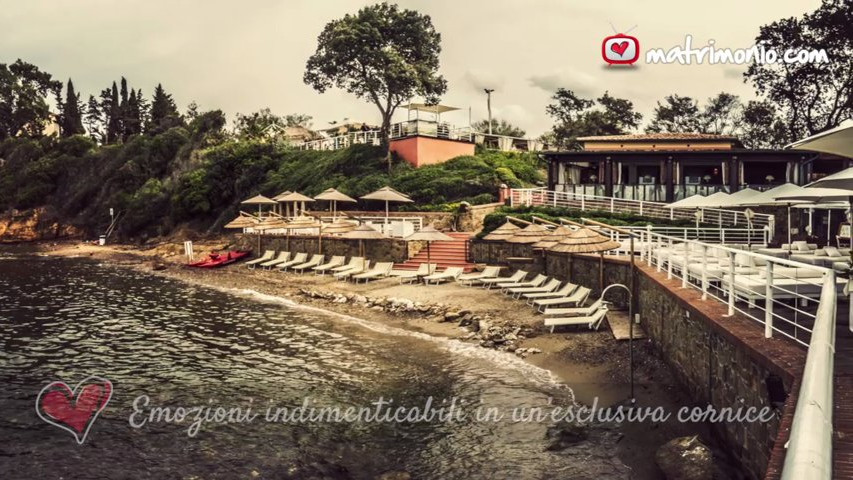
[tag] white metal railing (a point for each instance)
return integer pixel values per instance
(795, 300)
(746, 237)
(714, 216)
(368, 137)
(430, 129)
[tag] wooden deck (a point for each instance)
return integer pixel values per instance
(842, 448)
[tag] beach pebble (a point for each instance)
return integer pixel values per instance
(685, 458)
(451, 316)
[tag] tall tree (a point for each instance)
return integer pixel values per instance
(722, 115)
(762, 126)
(23, 99)
(577, 117)
(71, 118)
(676, 114)
(499, 127)
(94, 119)
(164, 113)
(258, 124)
(132, 116)
(112, 112)
(813, 97)
(297, 120)
(381, 54)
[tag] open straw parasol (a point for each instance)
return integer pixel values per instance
(260, 201)
(503, 232)
(241, 222)
(553, 237)
(301, 223)
(339, 226)
(429, 234)
(387, 194)
(530, 234)
(361, 233)
(295, 198)
(278, 198)
(334, 196)
(585, 240)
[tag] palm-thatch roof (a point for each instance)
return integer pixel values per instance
(339, 226)
(553, 237)
(293, 197)
(302, 223)
(333, 195)
(242, 221)
(585, 240)
(529, 234)
(259, 200)
(503, 232)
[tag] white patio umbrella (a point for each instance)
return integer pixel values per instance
(837, 141)
(689, 202)
(387, 194)
(823, 195)
(771, 197)
(714, 200)
(334, 196)
(829, 207)
(737, 198)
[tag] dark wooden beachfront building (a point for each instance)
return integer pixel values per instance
(667, 167)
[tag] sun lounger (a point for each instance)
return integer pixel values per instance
(592, 321)
(577, 298)
(565, 291)
(411, 276)
(315, 260)
(550, 286)
(381, 269)
(537, 281)
(267, 256)
(361, 267)
(354, 262)
(473, 278)
(281, 258)
(515, 277)
(576, 311)
(334, 262)
(449, 273)
(296, 260)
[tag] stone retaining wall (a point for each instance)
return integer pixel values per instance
(387, 250)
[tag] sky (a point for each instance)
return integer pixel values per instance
(243, 56)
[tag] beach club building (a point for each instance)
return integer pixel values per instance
(667, 167)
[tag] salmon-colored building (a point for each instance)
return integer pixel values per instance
(429, 141)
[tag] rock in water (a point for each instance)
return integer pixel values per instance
(563, 435)
(685, 458)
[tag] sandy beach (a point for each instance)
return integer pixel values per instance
(593, 363)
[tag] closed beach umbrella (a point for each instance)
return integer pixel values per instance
(361, 233)
(387, 194)
(530, 234)
(429, 235)
(260, 201)
(503, 232)
(334, 196)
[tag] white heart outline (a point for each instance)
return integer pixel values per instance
(88, 379)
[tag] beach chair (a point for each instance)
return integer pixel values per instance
(281, 258)
(470, 279)
(576, 311)
(537, 281)
(449, 273)
(354, 262)
(267, 256)
(487, 283)
(334, 262)
(381, 269)
(411, 276)
(592, 321)
(565, 291)
(576, 298)
(297, 259)
(360, 267)
(550, 286)
(315, 260)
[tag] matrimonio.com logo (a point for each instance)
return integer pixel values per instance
(620, 49)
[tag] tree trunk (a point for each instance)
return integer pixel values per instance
(384, 133)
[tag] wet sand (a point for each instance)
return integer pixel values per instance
(592, 363)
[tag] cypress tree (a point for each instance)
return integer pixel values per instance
(114, 116)
(71, 121)
(94, 120)
(163, 108)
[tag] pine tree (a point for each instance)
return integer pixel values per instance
(71, 120)
(114, 116)
(94, 120)
(164, 112)
(143, 110)
(131, 116)
(124, 111)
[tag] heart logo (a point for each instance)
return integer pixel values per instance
(74, 410)
(619, 48)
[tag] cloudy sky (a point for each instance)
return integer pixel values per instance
(242, 56)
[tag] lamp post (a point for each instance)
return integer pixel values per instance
(489, 105)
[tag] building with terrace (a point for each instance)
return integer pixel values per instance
(666, 167)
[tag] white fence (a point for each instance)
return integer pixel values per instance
(746, 237)
(790, 299)
(715, 216)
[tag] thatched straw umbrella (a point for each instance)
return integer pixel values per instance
(361, 233)
(278, 198)
(339, 226)
(503, 232)
(301, 223)
(553, 237)
(295, 198)
(429, 235)
(268, 223)
(260, 201)
(387, 194)
(334, 196)
(530, 234)
(241, 222)
(585, 240)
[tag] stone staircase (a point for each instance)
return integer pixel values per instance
(451, 253)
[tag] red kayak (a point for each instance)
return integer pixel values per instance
(215, 259)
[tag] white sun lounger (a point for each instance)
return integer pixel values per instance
(316, 259)
(449, 273)
(537, 281)
(592, 321)
(515, 277)
(354, 262)
(297, 259)
(577, 298)
(576, 311)
(471, 279)
(281, 258)
(381, 269)
(550, 286)
(267, 256)
(411, 276)
(334, 262)
(361, 267)
(565, 291)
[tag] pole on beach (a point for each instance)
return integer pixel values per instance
(631, 297)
